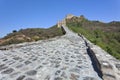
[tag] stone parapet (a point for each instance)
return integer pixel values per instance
(110, 66)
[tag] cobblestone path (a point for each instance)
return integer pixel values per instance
(60, 58)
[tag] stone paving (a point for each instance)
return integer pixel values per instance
(60, 58)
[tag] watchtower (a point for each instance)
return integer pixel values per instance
(61, 23)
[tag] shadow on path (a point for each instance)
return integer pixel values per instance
(95, 62)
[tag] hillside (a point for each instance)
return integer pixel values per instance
(30, 34)
(105, 35)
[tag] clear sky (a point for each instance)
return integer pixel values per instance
(17, 14)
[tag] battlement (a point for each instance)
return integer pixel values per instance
(61, 23)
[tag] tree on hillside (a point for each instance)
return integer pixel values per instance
(14, 31)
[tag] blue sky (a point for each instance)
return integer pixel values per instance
(17, 14)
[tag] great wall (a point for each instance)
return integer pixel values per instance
(69, 57)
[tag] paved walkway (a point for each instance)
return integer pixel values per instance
(60, 58)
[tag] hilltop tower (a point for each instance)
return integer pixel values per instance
(61, 23)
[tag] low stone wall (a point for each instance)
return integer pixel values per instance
(109, 67)
(95, 62)
(64, 32)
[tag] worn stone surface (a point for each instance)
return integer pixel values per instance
(8, 71)
(31, 72)
(21, 77)
(60, 58)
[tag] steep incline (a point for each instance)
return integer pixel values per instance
(60, 58)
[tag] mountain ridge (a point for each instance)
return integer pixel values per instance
(30, 34)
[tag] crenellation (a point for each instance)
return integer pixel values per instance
(61, 23)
